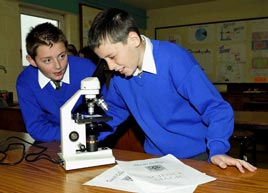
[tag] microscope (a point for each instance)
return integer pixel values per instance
(79, 132)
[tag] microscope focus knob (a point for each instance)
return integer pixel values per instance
(74, 136)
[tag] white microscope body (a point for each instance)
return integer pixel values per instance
(78, 147)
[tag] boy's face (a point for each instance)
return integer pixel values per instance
(124, 58)
(51, 61)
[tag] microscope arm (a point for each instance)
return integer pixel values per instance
(99, 71)
(68, 125)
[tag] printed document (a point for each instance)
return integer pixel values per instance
(165, 174)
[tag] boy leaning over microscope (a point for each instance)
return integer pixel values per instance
(49, 81)
(166, 91)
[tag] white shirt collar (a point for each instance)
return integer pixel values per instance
(148, 63)
(43, 80)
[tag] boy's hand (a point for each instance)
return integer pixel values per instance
(223, 161)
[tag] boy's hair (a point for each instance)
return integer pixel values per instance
(43, 34)
(88, 53)
(72, 49)
(113, 25)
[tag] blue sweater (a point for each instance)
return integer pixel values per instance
(179, 109)
(41, 107)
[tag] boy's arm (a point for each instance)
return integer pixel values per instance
(35, 118)
(194, 85)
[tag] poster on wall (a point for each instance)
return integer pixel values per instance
(201, 34)
(87, 14)
(259, 50)
(231, 62)
(204, 56)
(229, 51)
(231, 31)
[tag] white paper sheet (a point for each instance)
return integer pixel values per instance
(160, 174)
(165, 174)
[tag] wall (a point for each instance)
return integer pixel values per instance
(218, 10)
(72, 6)
(221, 67)
(10, 44)
(138, 14)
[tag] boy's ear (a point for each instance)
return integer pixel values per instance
(30, 60)
(134, 39)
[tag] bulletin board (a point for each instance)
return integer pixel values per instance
(87, 15)
(229, 51)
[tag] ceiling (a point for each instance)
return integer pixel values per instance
(157, 4)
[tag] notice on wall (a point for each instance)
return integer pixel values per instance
(229, 51)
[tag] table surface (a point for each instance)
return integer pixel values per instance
(46, 177)
(257, 118)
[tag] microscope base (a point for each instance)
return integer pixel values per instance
(87, 159)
